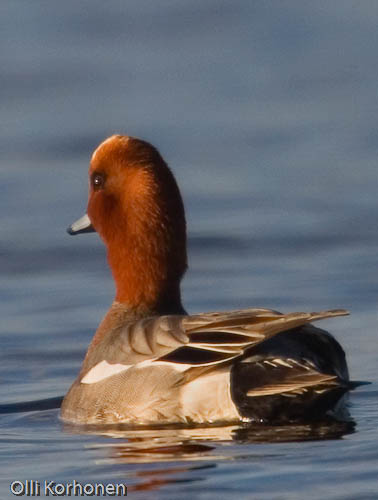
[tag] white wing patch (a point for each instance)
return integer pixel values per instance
(103, 370)
(179, 367)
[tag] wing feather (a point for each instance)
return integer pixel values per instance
(296, 384)
(198, 338)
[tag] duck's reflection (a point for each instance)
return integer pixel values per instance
(316, 431)
(159, 444)
(211, 444)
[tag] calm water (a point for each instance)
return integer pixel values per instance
(267, 113)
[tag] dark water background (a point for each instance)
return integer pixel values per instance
(268, 114)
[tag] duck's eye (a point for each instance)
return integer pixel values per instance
(98, 181)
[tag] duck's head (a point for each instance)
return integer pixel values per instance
(136, 207)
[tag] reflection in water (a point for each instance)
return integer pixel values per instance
(158, 444)
(316, 431)
(192, 444)
(145, 444)
(177, 444)
(154, 479)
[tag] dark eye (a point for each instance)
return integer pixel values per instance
(98, 181)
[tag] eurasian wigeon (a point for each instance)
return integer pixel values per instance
(151, 363)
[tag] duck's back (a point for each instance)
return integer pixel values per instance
(252, 364)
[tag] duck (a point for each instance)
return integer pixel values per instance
(152, 363)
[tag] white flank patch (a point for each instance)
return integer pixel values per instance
(208, 399)
(103, 370)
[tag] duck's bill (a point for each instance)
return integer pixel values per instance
(82, 225)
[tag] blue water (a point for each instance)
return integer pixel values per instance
(267, 114)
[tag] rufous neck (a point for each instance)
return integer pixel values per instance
(145, 280)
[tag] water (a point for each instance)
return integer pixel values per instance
(267, 113)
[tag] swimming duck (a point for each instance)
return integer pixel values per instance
(149, 361)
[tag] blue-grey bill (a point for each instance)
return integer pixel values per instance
(82, 225)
